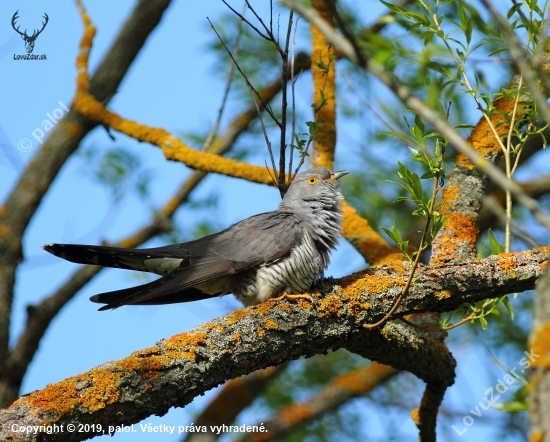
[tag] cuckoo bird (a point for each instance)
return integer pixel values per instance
(259, 258)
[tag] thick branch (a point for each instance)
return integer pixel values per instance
(191, 363)
(539, 385)
(323, 70)
(461, 198)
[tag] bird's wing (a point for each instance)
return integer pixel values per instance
(254, 241)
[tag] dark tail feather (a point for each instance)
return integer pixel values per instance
(95, 255)
(122, 297)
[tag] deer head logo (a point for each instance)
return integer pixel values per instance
(29, 39)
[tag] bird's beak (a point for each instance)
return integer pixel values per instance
(337, 175)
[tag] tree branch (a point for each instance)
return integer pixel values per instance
(186, 365)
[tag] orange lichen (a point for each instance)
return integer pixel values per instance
(330, 306)
(269, 324)
(93, 390)
(536, 436)
(4, 230)
(540, 345)
(295, 413)
(147, 362)
(508, 263)
(359, 283)
(173, 148)
(236, 337)
(210, 326)
(364, 379)
(82, 79)
(415, 415)
(482, 138)
(261, 332)
(397, 265)
(459, 230)
(355, 286)
(236, 316)
(442, 294)
(264, 307)
(368, 242)
(184, 345)
(3, 210)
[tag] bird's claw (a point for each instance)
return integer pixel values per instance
(289, 297)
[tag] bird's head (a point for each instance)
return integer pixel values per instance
(317, 184)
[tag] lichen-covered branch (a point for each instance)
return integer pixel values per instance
(173, 148)
(539, 385)
(188, 364)
(323, 69)
(461, 198)
(368, 242)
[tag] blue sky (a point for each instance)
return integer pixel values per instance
(170, 85)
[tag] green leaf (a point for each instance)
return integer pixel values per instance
(495, 247)
(508, 306)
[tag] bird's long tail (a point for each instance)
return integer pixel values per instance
(122, 297)
(146, 260)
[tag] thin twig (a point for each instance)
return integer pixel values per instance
(416, 261)
(267, 142)
(230, 76)
(267, 109)
(246, 21)
(293, 94)
(284, 91)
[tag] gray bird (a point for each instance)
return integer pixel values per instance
(261, 257)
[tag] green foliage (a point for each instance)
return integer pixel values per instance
(518, 402)
(410, 181)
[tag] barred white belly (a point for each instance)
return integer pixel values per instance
(293, 274)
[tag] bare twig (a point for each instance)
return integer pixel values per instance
(522, 60)
(229, 82)
(266, 108)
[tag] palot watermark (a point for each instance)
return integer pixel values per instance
(25, 144)
(135, 428)
(490, 398)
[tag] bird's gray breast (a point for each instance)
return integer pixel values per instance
(295, 273)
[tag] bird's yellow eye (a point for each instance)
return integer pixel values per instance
(312, 180)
